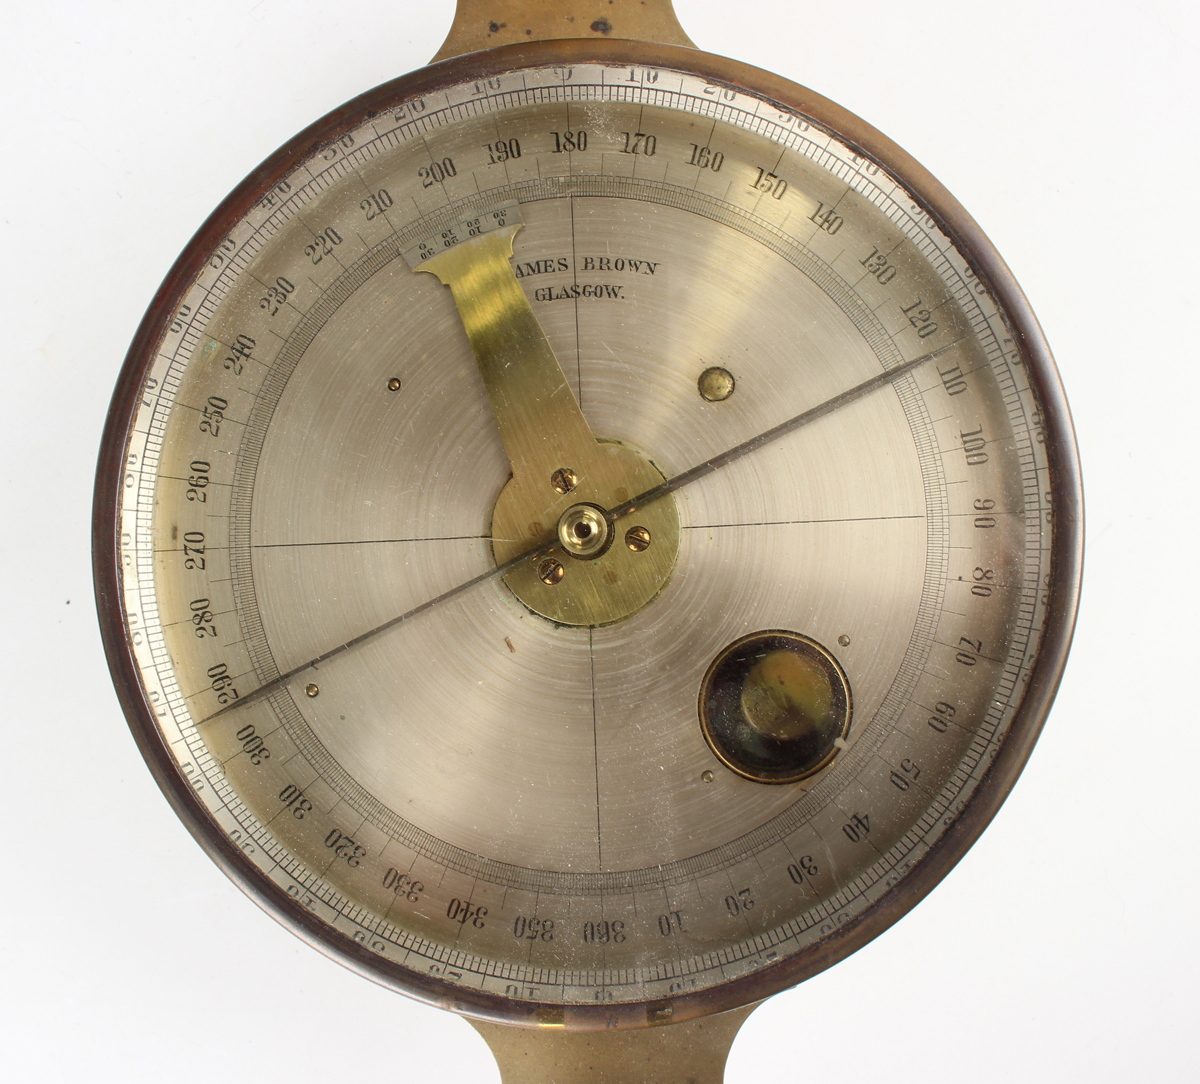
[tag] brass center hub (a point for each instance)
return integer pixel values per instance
(615, 568)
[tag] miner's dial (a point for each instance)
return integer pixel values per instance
(582, 533)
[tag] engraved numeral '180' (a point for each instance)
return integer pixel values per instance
(570, 141)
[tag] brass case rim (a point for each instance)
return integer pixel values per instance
(1066, 548)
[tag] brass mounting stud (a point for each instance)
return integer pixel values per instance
(716, 384)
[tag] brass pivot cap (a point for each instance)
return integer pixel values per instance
(584, 532)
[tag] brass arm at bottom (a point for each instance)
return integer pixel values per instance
(693, 1052)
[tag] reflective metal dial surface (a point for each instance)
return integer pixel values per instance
(493, 801)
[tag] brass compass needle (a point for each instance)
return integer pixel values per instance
(693, 474)
(278, 683)
(845, 398)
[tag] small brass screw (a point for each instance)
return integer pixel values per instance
(394, 384)
(564, 479)
(311, 690)
(844, 640)
(706, 775)
(551, 572)
(637, 539)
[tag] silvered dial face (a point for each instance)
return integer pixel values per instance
(493, 793)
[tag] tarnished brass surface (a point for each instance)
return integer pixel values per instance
(547, 438)
(483, 24)
(691, 1053)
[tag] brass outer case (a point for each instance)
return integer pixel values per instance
(1066, 545)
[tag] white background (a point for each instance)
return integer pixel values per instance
(1064, 946)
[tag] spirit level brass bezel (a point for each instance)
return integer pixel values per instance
(843, 697)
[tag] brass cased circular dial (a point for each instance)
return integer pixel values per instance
(780, 369)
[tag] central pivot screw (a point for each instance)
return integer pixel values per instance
(564, 479)
(583, 531)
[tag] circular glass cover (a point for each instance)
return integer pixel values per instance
(497, 795)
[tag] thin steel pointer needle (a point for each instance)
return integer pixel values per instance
(656, 493)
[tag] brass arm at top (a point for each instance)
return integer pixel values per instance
(485, 24)
(539, 418)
